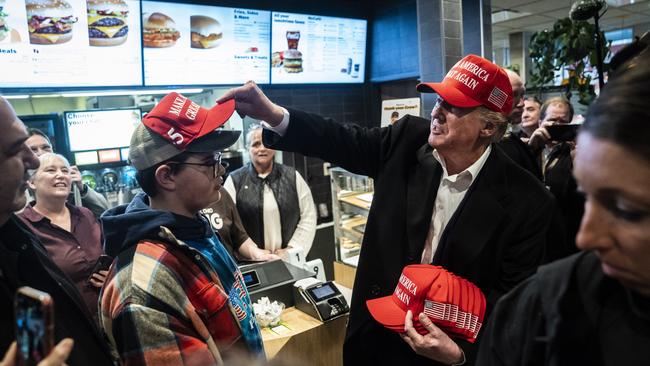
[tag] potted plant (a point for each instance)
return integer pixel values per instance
(568, 44)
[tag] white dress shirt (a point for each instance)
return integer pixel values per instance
(451, 191)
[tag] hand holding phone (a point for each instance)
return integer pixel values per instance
(34, 325)
(57, 357)
(98, 274)
(563, 132)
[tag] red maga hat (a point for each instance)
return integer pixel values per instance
(454, 304)
(177, 124)
(474, 81)
(180, 121)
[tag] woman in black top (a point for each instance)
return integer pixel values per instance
(593, 308)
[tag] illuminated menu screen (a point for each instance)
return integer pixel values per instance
(317, 49)
(187, 44)
(100, 130)
(70, 43)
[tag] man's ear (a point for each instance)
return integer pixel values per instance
(488, 130)
(165, 178)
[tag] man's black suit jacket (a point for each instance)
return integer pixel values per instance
(495, 238)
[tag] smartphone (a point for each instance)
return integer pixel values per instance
(34, 313)
(103, 263)
(564, 132)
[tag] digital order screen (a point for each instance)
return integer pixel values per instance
(187, 44)
(70, 43)
(100, 130)
(322, 292)
(317, 49)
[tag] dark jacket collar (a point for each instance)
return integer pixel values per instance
(480, 206)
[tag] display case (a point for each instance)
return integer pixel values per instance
(351, 196)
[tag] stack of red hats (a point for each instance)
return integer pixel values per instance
(454, 304)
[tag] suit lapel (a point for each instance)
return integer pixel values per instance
(477, 216)
(423, 182)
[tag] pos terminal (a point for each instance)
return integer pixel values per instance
(321, 300)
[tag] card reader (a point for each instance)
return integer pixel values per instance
(321, 300)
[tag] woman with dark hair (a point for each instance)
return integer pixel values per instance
(593, 308)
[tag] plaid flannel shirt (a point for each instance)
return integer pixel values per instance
(163, 304)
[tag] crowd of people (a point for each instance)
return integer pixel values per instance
(482, 188)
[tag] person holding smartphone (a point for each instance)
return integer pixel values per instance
(57, 357)
(554, 145)
(24, 260)
(71, 234)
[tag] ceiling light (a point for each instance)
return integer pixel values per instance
(507, 14)
(24, 96)
(132, 92)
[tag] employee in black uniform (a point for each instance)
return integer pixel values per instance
(225, 220)
(593, 308)
(455, 202)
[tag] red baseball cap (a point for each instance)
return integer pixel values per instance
(474, 81)
(177, 124)
(412, 287)
(454, 304)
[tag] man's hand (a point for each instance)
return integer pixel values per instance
(267, 257)
(435, 345)
(540, 137)
(57, 357)
(251, 101)
(76, 177)
(98, 279)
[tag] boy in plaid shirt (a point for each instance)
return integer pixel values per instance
(173, 295)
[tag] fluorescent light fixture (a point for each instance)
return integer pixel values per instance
(105, 93)
(25, 96)
(507, 14)
(617, 3)
(131, 92)
(46, 95)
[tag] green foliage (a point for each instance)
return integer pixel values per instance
(569, 43)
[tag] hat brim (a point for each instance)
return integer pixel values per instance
(214, 141)
(449, 93)
(386, 312)
(217, 116)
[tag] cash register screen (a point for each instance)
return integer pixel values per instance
(320, 293)
(251, 279)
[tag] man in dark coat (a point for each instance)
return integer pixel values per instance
(454, 202)
(25, 262)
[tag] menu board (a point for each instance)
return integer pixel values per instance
(186, 44)
(97, 130)
(317, 49)
(70, 43)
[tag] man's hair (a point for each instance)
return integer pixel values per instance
(621, 114)
(35, 131)
(252, 128)
(499, 121)
(555, 101)
(147, 178)
(532, 98)
(394, 114)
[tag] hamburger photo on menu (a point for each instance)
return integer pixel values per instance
(206, 32)
(159, 30)
(49, 21)
(292, 61)
(107, 22)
